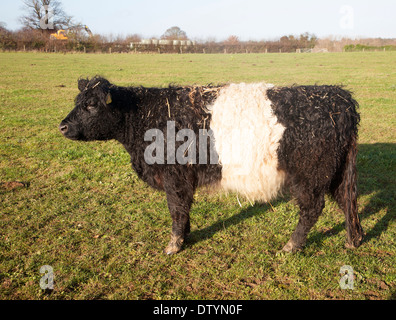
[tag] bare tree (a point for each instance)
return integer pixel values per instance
(45, 14)
(174, 33)
(232, 40)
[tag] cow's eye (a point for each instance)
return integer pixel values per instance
(91, 108)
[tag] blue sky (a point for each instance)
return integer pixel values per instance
(248, 19)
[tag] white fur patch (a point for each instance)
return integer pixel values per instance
(247, 136)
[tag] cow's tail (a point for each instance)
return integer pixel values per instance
(346, 195)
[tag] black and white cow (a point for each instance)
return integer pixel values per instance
(254, 139)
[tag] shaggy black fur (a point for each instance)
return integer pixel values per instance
(104, 111)
(318, 153)
(317, 150)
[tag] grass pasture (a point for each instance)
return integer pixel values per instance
(79, 207)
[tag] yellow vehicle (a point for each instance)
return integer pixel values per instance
(59, 35)
(63, 34)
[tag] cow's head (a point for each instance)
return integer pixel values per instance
(94, 117)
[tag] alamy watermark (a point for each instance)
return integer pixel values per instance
(47, 281)
(197, 149)
(347, 278)
(47, 17)
(185, 153)
(347, 21)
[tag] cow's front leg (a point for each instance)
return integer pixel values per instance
(180, 224)
(180, 198)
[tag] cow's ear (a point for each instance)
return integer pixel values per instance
(108, 98)
(82, 84)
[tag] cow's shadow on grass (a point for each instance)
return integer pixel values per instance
(376, 174)
(208, 232)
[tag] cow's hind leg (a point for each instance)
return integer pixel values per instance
(311, 206)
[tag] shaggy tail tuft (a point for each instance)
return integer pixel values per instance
(346, 196)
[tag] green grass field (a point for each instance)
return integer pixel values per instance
(80, 208)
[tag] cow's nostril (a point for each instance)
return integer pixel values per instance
(63, 128)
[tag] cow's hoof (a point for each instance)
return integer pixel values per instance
(355, 242)
(172, 249)
(291, 246)
(174, 245)
(352, 246)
